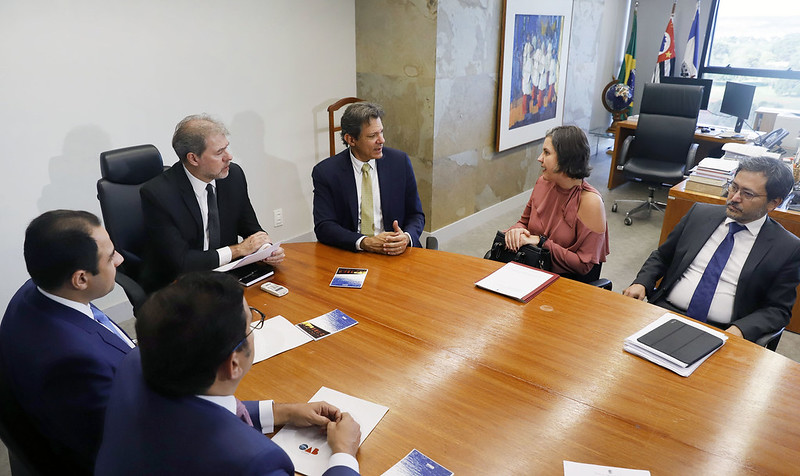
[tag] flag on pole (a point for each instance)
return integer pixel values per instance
(666, 55)
(627, 71)
(690, 57)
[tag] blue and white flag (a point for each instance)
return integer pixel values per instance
(690, 56)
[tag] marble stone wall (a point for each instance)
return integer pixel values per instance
(434, 66)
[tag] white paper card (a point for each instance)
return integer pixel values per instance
(308, 448)
(582, 469)
(263, 253)
(278, 335)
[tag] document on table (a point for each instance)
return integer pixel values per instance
(327, 324)
(518, 281)
(349, 278)
(417, 464)
(582, 469)
(635, 346)
(278, 335)
(263, 253)
(308, 448)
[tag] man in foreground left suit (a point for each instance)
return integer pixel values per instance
(59, 351)
(172, 409)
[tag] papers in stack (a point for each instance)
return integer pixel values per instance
(250, 269)
(737, 151)
(675, 343)
(711, 175)
(308, 447)
(518, 281)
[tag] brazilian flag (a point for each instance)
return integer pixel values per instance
(627, 71)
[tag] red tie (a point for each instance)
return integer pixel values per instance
(242, 413)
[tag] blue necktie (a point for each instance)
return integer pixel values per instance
(704, 293)
(106, 322)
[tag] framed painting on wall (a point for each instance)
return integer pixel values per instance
(533, 69)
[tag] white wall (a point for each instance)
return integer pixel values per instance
(85, 76)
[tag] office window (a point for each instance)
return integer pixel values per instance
(758, 44)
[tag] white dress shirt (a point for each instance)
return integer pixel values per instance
(721, 309)
(200, 193)
(267, 425)
(377, 210)
(87, 311)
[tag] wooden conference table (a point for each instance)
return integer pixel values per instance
(486, 385)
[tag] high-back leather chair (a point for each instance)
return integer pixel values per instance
(123, 172)
(663, 150)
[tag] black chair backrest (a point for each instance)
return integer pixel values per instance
(667, 121)
(123, 172)
(29, 452)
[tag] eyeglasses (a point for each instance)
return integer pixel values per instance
(733, 189)
(253, 325)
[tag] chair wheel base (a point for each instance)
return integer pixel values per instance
(614, 208)
(628, 221)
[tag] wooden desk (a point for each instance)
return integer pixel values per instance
(487, 385)
(708, 143)
(681, 200)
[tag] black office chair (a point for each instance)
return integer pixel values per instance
(771, 340)
(29, 452)
(662, 150)
(123, 172)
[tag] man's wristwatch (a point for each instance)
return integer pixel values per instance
(542, 239)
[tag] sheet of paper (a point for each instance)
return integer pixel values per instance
(349, 278)
(308, 448)
(417, 464)
(327, 324)
(263, 253)
(514, 280)
(582, 469)
(278, 335)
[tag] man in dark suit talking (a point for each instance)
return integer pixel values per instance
(195, 211)
(365, 197)
(732, 265)
(172, 408)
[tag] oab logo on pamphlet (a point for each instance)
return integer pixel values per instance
(308, 449)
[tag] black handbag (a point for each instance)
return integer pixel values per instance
(527, 254)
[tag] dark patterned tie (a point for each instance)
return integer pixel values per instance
(704, 293)
(213, 218)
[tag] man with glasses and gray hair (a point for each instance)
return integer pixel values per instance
(172, 408)
(731, 266)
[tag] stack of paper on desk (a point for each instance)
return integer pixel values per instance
(675, 343)
(308, 447)
(278, 335)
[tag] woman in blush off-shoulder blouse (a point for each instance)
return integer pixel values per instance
(564, 214)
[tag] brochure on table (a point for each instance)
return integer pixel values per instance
(327, 324)
(349, 278)
(308, 447)
(417, 464)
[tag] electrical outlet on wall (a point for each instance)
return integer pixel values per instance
(277, 217)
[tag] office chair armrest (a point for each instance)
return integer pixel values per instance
(770, 341)
(690, 156)
(601, 283)
(623, 153)
(432, 243)
(133, 290)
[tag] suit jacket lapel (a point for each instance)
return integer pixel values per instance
(701, 233)
(761, 247)
(347, 181)
(187, 193)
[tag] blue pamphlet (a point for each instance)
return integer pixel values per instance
(349, 278)
(417, 464)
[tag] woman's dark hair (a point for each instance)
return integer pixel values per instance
(572, 150)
